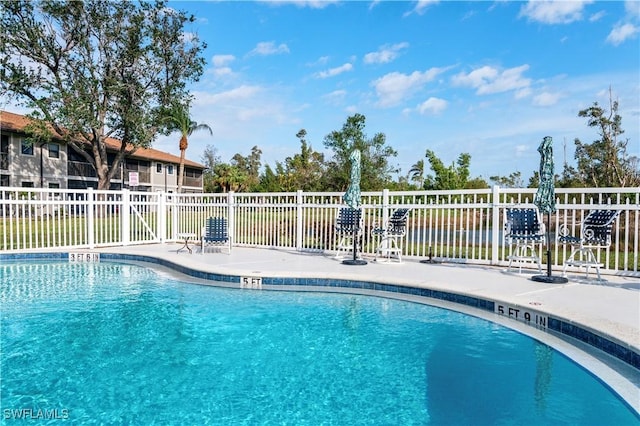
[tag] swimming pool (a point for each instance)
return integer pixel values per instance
(120, 343)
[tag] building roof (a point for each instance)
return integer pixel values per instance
(16, 123)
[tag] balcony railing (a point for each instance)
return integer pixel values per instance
(80, 169)
(464, 226)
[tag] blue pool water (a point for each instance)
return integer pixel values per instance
(121, 344)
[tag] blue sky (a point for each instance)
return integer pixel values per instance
(487, 78)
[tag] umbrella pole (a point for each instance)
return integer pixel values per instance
(549, 279)
(355, 244)
(355, 260)
(548, 246)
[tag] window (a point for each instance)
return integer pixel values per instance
(192, 173)
(26, 148)
(54, 150)
(4, 180)
(4, 153)
(170, 169)
(54, 185)
(26, 184)
(158, 167)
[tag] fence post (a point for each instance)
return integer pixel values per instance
(299, 209)
(162, 217)
(385, 206)
(125, 217)
(174, 204)
(232, 220)
(91, 206)
(495, 223)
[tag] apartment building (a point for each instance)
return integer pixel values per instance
(56, 165)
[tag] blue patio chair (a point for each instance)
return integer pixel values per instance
(216, 233)
(595, 234)
(348, 224)
(391, 235)
(524, 234)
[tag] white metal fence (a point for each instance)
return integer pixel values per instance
(457, 226)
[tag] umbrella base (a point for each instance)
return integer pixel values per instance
(354, 262)
(549, 279)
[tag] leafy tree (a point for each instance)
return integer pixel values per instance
(452, 177)
(97, 69)
(416, 173)
(269, 180)
(210, 159)
(514, 180)
(181, 121)
(247, 173)
(375, 154)
(306, 169)
(226, 177)
(476, 183)
(605, 162)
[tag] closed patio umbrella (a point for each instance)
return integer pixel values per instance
(545, 199)
(353, 199)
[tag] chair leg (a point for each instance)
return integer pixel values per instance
(589, 260)
(393, 246)
(569, 260)
(593, 261)
(524, 251)
(344, 246)
(389, 245)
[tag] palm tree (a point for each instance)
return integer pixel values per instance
(417, 173)
(181, 121)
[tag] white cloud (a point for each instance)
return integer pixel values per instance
(392, 88)
(222, 60)
(323, 60)
(488, 80)
(385, 54)
(222, 71)
(239, 93)
(352, 109)
(522, 149)
(553, 11)
(265, 48)
(621, 33)
(546, 99)
(597, 16)
(523, 93)
(632, 7)
(312, 4)
(432, 106)
(334, 71)
(421, 6)
(335, 97)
